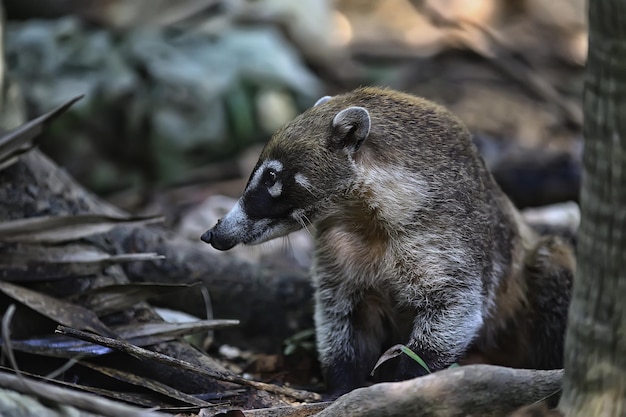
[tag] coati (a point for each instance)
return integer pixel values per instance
(414, 241)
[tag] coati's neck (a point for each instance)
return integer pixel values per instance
(351, 245)
(361, 234)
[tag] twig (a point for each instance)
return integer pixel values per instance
(6, 337)
(64, 367)
(303, 410)
(159, 357)
(88, 402)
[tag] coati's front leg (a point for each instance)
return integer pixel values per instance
(350, 330)
(345, 361)
(443, 330)
(352, 333)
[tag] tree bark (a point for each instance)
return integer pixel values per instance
(477, 390)
(595, 364)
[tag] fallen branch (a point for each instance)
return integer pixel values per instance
(303, 410)
(84, 401)
(159, 357)
(483, 390)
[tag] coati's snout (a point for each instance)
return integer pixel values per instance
(272, 205)
(217, 238)
(214, 240)
(239, 227)
(275, 203)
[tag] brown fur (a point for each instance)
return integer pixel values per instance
(415, 242)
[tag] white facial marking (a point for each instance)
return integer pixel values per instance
(239, 226)
(297, 214)
(276, 189)
(303, 181)
(258, 174)
(269, 232)
(235, 218)
(234, 226)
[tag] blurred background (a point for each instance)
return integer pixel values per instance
(181, 95)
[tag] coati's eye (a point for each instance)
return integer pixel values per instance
(270, 177)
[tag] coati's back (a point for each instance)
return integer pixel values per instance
(415, 242)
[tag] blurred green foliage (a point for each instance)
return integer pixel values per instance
(159, 101)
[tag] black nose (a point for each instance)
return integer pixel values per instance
(207, 236)
(217, 239)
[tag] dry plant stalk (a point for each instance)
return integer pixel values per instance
(159, 357)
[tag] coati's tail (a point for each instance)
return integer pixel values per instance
(550, 268)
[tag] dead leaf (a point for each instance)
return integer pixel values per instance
(60, 311)
(147, 383)
(139, 334)
(18, 141)
(112, 298)
(56, 346)
(392, 352)
(172, 329)
(58, 229)
(26, 263)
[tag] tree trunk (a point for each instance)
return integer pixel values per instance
(595, 361)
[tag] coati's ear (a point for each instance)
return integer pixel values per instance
(351, 127)
(322, 100)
